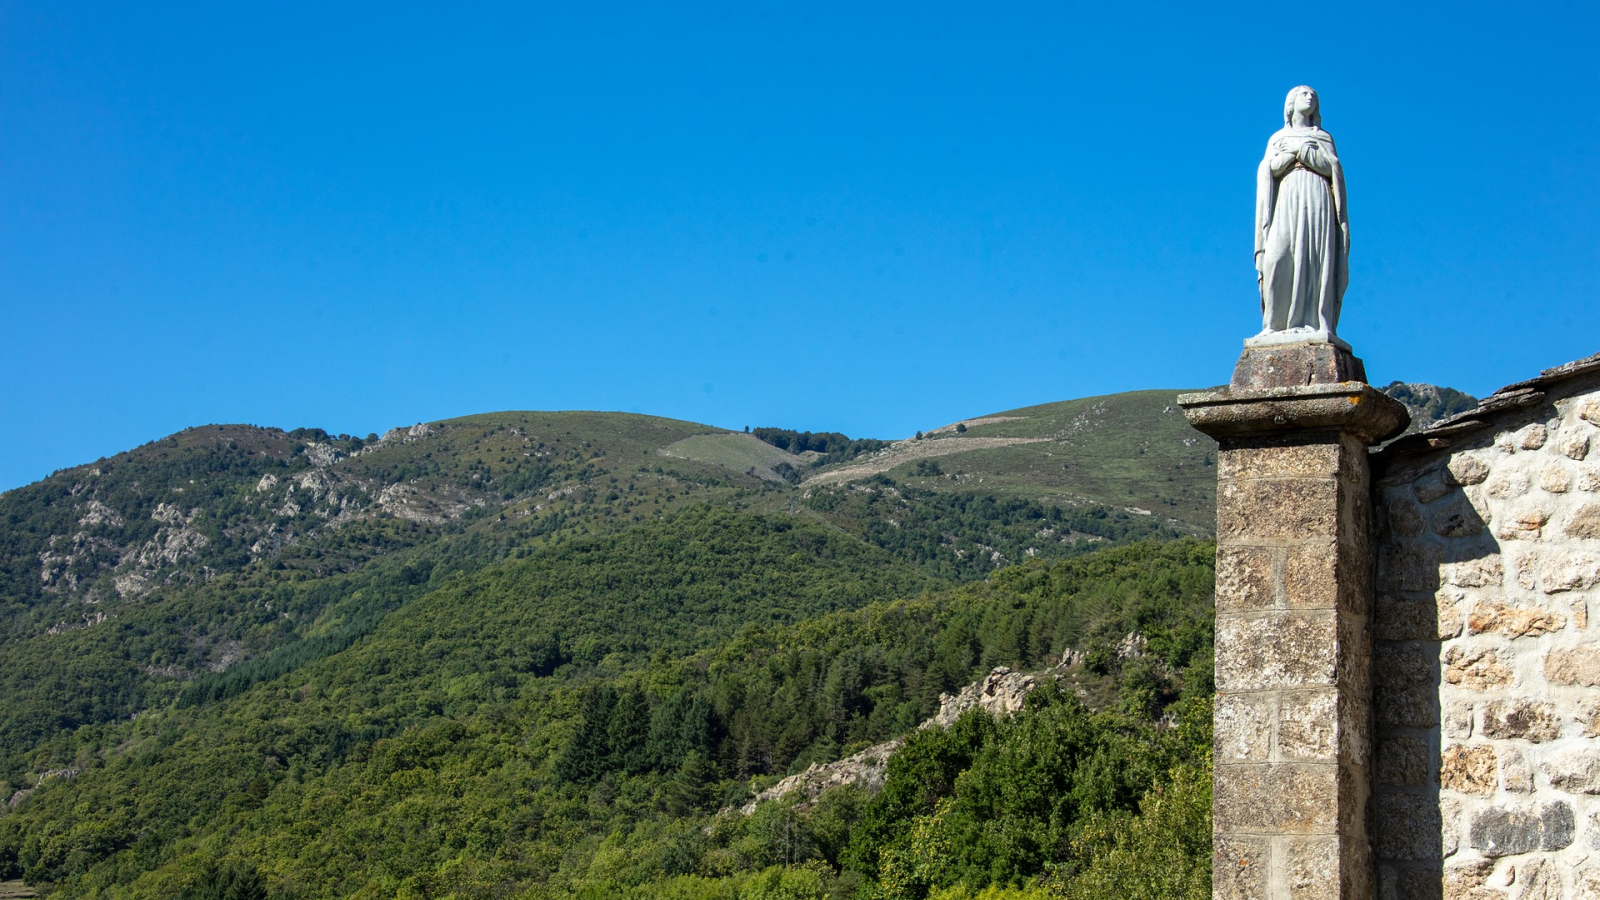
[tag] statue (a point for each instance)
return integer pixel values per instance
(1302, 229)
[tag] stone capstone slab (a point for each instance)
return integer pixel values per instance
(1353, 408)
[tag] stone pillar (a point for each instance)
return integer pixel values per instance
(1293, 749)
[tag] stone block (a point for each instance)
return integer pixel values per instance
(1586, 882)
(1242, 726)
(1539, 879)
(1416, 616)
(1575, 770)
(1479, 571)
(1528, 720)
(1408, 881)
(1587, 715)
(1455, 519)
(1311, 868)
(1572, 571)
(1450, 819)
(1507, 830)
(1246, 578)
(1311, 576)
(1239, 867)
(1508, 484)
(1531, 437)
(1457, 719)
(1285, 510)
(1408, 827)
(1402, 760)
(1275, 460)
(1476, 668)
(1589, 411)
(1409, 566)
(1292, 365)
(1585, 522)
(1516, 775)
(1555, 479)
(1494, 617)
(1575, 445)
(1573, 665)
(1275, 650)
(1296, 798)
(1469, 769)
(1306, 726)
(1524, 562)
(1525, 523)
(1431, 484)
(1466, 468)
(1468, 879)
(1589, 478)
(1402, 516)
(1403, 689)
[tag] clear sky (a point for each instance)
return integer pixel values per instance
(865, 217)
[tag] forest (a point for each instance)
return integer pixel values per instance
(565, 739)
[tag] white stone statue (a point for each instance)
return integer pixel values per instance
(1302, 229)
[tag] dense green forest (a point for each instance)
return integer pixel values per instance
(485, 740)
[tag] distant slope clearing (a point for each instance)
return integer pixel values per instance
(736, 451)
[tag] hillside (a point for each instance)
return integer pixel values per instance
(504, 751)
(1133, 452)
(520, 639)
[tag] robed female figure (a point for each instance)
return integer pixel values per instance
(1302, 227)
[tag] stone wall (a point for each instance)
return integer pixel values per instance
(1486, 671)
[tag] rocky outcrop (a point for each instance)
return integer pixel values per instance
(1000, 693)
(67, 774)
(869, 767)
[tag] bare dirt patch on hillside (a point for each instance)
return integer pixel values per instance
(906, 451)
(973, 423)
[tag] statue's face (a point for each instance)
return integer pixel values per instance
(1305, 100)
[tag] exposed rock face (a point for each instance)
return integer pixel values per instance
(868, 768)
(66, 774)
(999, 693)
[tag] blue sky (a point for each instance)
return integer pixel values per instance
(871, 218)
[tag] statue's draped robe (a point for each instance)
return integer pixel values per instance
(1302, 249)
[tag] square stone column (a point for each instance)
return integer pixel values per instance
(1293, 753)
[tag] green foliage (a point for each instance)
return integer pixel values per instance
(1008, 802)
(1164, 853)
(833, 446)
(430, 756)
(234, 882)
(968, 535)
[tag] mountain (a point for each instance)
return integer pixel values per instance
(509, 642)
(1429, 404)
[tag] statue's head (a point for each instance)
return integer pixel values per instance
(1304, 101)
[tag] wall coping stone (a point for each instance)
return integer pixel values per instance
(1352, 407)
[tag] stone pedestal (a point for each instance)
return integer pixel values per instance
(1293, 748)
